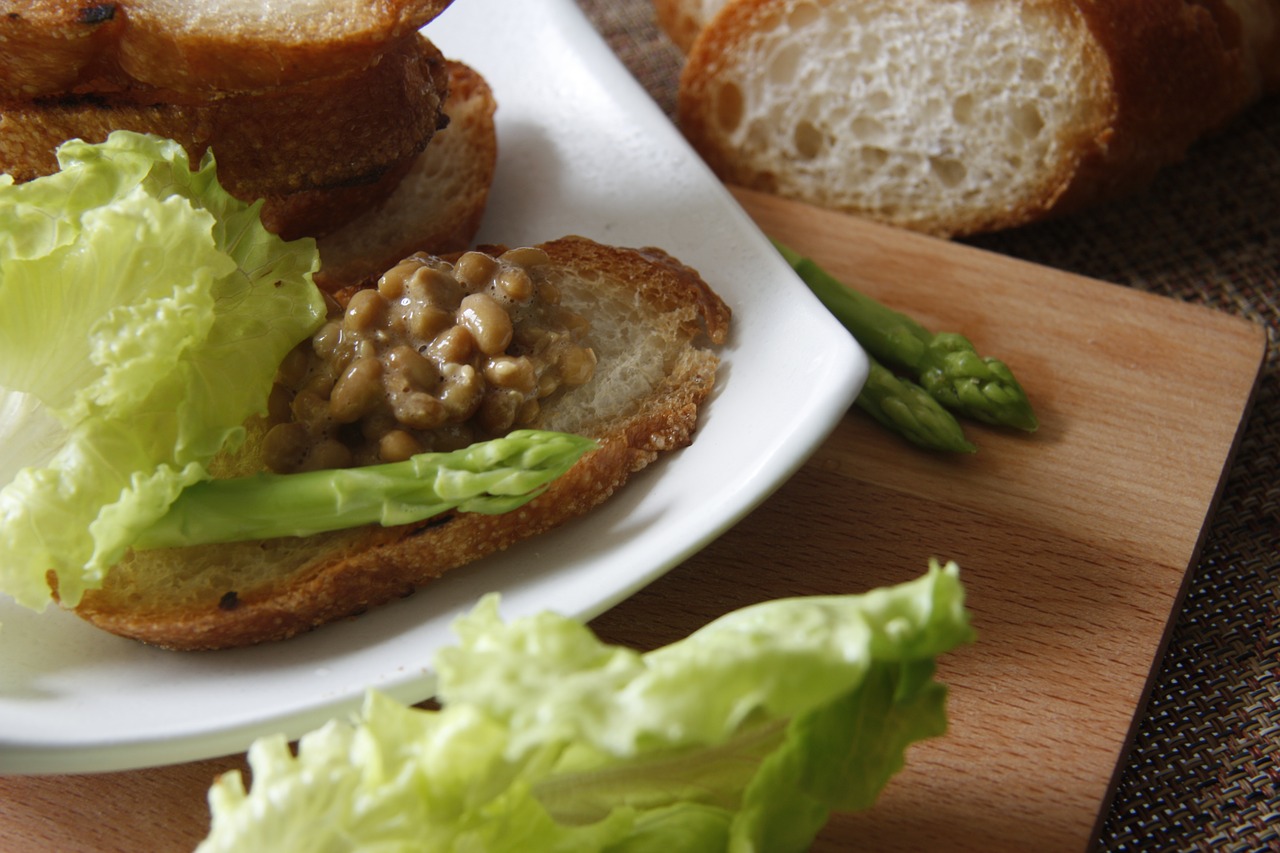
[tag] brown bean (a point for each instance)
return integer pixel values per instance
(487, 321)
(326, 340)
(432, 288)
(527, 335)
(515, 284)
(327, 454)
(392, 283)
(364, 311)
(546, 341)
(408, 362)
(311, 408)
(514, 372)
(525, 256)
(474, 269)
(321, 380)
(453, 346)
(419, 410)
(461, 391)
(284, 447)
(577, 364)
(427, 321)
(548, 383)
(397, 446)
(357, 391)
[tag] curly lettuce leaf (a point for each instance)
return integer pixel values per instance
(744, 736)
(146, 311)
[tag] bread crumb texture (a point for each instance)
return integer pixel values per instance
(913, 111)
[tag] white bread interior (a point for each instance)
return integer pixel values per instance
(954, 117)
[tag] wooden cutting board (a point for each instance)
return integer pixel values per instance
(1074, 544)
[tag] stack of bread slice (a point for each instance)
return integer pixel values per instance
(954, 117)
(325, 110)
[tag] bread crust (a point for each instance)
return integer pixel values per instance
(58, 47)
(1156, 76)
(320, 211)
(347, 573)
(317, 135)
(436, 206)
(680, 20)
(1177, 72)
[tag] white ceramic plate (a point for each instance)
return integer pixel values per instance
(583, 150)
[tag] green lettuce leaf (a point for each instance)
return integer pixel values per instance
(146, 311)
(743, 736)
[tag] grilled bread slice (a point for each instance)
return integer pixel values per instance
(653, 327)
(966, 116)
(55, 47)
(436, 206)
(313, 149)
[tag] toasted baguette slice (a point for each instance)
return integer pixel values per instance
(964, 116)
(652, 321)
(213, 46)
(315, 135)
(437, 207)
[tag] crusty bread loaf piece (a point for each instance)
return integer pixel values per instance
(437, 207)
(683, 20)
(954, 117)
(652, 324)
(63, 46)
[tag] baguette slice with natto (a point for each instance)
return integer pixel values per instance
(636, 373)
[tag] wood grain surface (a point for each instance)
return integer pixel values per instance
(1074, 544)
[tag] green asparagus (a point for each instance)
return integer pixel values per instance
(981, 388)
(945, 365)
(904, 407)
(489, 477)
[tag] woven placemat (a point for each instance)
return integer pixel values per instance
(1204, 770)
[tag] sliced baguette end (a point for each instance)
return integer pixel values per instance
(977, 124)
(959, 117)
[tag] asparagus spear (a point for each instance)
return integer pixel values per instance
(489, 477)
(946, 364)
(904, 407)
